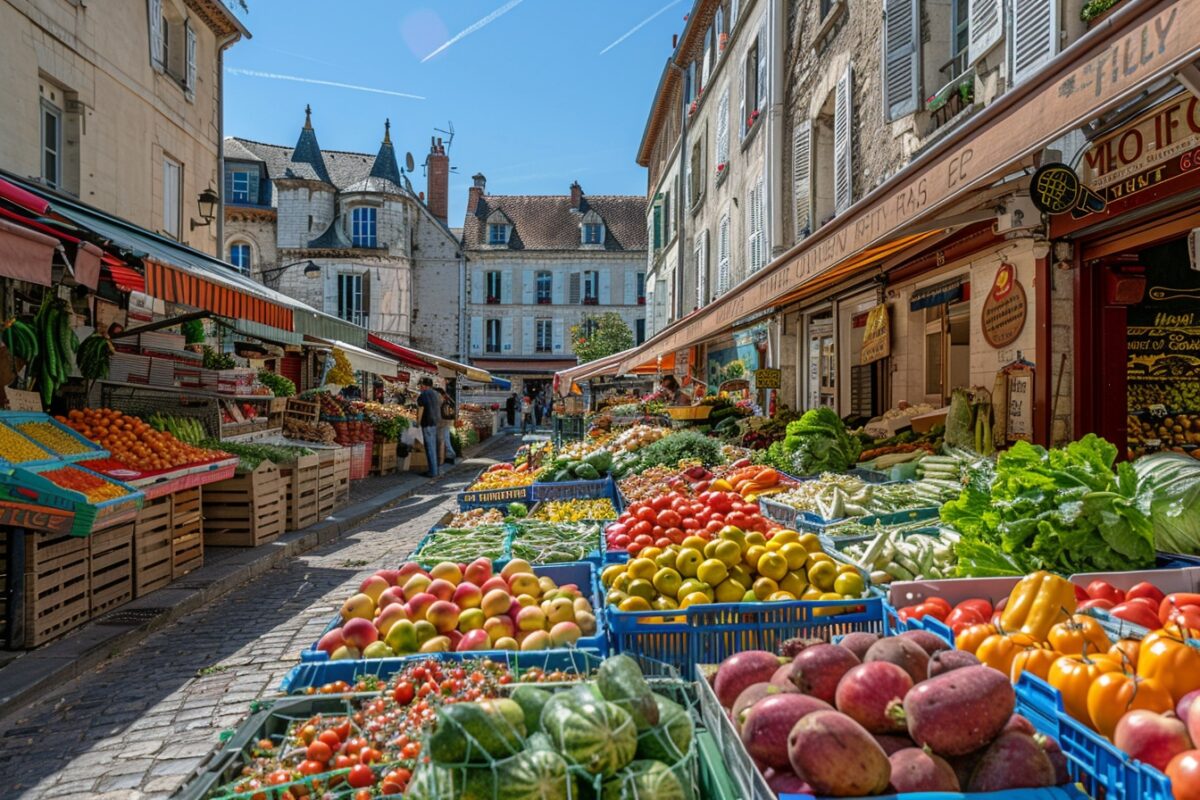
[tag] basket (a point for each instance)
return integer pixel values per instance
(581, 573)
(689, 413)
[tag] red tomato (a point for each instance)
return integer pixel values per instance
(752, 508)
(617, 529)
(1147, 590)
(635, 548)
(279, 777)
(644, 539)
(1148, 602)
(1081, 594)
(1138, 614)
(935, 610)
(658, 531)
(318, 751)
(361, 776)
(714, 527)
(675, 535)
(941, 603)
(1184, 772)
(661, 502)
(717, 516)
(1103, 590)
(330, 738)
(343, 762)
(311, 768)
(669, 519)
(979, 604)
(353, 746)
(343, 731)
(912, 612)
(1098, 602)
(663, 542)
(1186, 615)
(410, 751)
(646, 514)
(963, 617)
(642, 528)
(689, 523)
(737, 519)
(404, 692)
(369, 755)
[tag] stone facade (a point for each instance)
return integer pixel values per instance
(386, 261)
(121, 110)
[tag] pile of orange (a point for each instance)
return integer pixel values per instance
(132, 441)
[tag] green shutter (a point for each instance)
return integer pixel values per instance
(657, 226)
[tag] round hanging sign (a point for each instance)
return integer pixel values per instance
(1004, 308)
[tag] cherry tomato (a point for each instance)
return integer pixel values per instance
(361, 776)
(319, 751)
(311, 768)
(410, 751)
(331, 738)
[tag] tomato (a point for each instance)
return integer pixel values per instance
(979, 604)
(308, 733)
(1186, 615)
(331, 738)
(940, 602)
(658, 531)
(736, 518)
(279, 777)
(934, 610)
(1138, 614)
(669, 519)
(752, 508)
(318, 751)
(714, 527)
(1146, 590)
(642, 528)
(343, 762)
(971, 637)
(404, 692)
(689, 523)
(1099, 602)
(1184, 772)
(961, 618)
(362, 794)
(369, 755)
(913, 612)
(410, 751)
(361, 776)
(1103, 590)
(343, 731)
(646, 513)
(311, 768)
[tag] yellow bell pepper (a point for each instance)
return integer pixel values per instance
(1039, 602)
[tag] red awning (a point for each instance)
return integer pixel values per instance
(125, 278)
(26, 200)
(400, 352)
(26, 255)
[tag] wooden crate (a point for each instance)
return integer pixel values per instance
(302, 410)
(246, 510)
(110, 568)
(152, 534)
(326, 483)
(276, 408)
(56, 586)
(300, 489)
(341, 475)
(187, 532)
(383, 458)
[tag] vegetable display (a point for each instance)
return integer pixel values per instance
(461, 544)
(903, 553)
(16, 448)
(540, 542)
(575, 510)
(250, 455)
(502, 476)
(278, 384)
(815, 443)
(1063, 510)
(56, 348)
(669, 518)
(680, 446)
(93, 487)
(132, 441)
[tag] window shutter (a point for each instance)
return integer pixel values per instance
(191, 55)
(605, 291)
(984, 27)
(723, 128)
(630, 289)
(364, 307)
(801, 177)
(657, 226)
(753, 220)
(528, 345)
(506, 286)
(476, 334)
(228, 182)
(742, 116)
(556, 288)
(702, 269)
(527, 287)
(763, 47)
(843, 175)
(733, 13)
(573, 289)
(506, 335)
(477, 284)
(723, 255)
(154, 10)
(1034, 36)
(901, 62)
(707, 56)
(559, 335)
(331, 292)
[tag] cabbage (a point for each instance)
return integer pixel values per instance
(1169, 492)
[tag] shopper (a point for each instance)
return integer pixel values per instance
(430, 405)
(446, 422)
(537, 408)
(510, 406)
(677, 397)
(526, 413)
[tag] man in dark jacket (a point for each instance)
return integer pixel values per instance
(429, 402)
(510, 406)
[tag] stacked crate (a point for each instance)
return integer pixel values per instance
(326, 482)
(56, 586)
(300, 485)
(341, 475)
(246, 510)
(110, 571)
(152, 534)
(383, 458)
(187, 532)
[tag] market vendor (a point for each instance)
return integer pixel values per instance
(670, 387)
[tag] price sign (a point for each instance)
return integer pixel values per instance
(1157, 411)
(767, 378)
(23, 401)
(1020, 405)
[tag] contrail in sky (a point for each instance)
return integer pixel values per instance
(253, 73)
(488, 20)
(639, 26)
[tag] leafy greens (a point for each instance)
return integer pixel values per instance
(818, 442)
(1063, 510)
(1169, 488)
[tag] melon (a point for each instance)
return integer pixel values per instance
(595, 735)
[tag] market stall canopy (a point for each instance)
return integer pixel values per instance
(26, 255)
(401, 353)
(444, 367)
(608, 365)
(265, 333)
(360, 359)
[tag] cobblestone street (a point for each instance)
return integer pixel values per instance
(136, 726)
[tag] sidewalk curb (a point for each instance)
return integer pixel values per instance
(40, 671)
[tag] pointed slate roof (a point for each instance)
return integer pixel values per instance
(307, 161)
(385, 165)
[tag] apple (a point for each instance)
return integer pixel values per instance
(392, 576)
(359, 606)
(560, 610)
(377, 649)
(391, 596)
(499, 627)
(467, 595)
(493, 583)
(373, 587)
(331, 641)
(531, 618)
(447, 571)
(344, 653)
(471, 619)
(415, 584)
(496, 602)
(402, 637)
(444, 616)
(474, 640)
(359, 632)
(389, 617)
(478, 571)
(518, 566)
(523, 583)
(418, 606)
(1151, 738)
(408, 569)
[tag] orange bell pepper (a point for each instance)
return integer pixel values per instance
(973, 636)
(1168, 659)
(1113, 694)
(1073, 676)
(999, 650)
(1072, 636)
(1035, 660)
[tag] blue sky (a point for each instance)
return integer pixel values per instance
(534, 101)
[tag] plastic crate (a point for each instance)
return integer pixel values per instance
(91, 450)
(27, 486)
(594, 555)
(713, 632)
(574, 490)
(416, 555)
(581, 573)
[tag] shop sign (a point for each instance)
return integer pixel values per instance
(1056, 189)
(1004, 308)
(39, 518)
(768, 379)
(1170, 130)
(1020, 405)
(877, 338)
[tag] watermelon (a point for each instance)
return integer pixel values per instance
(434, 782)
(671, 739)
(531, 700)
(595, 735)
(477, 732)
(531, 775)
(620, 680)
(641, 780)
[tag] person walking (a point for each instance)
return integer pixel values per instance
(510, 406)
(448, 414)
(429, 404)
(537, 408)
(526, 413)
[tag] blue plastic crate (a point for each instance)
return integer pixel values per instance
(582, 573)
(705, 634)
(574, 490)
(894, 625)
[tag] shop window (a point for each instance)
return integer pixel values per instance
(51, 144)
(545, 336)
(363, 227)
(822, 361)
(947, 349)
(493, 335)
(591, 287)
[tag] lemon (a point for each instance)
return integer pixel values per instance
(694, 543)
(847, 568)
(777, 596)
(710, 549)
(729, 591)
(764, 588)
(813, 557)
(687, 562)
(610, 573)
(794, 582)
(650, 553)
(665, 604)
(667, 581)
(732, 533)
(750, 596)
(728, 552)
(775, 566)
(795, 554)
(692, 585)
(822, 575)
(640, 587)
(811, 593)
(786, 536)
(751, 556)
(754, 537)
(810, 542)
(634, 604)
(773, 546)
(695, 599)
(666, 559)
(740, 574)
(621, 584)
(829, 611)
(712, 571)
(849, 584)
(615, 597)
(643, 568)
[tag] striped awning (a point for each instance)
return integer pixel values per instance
(209, 293)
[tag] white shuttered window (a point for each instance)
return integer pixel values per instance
(986, 23)
(154, 10)
(1033, 33)
(702, 269)
(802, 178)
(723, 255)
(901, 57)
(723, 130)
(190, 76)
(756, 249)
(843, 145)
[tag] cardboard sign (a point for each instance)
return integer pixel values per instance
(19, 400)
(1020, 405)
(1004, 309)
(877, 338)
(768, 379)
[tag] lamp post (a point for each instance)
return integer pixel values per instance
(312, 270)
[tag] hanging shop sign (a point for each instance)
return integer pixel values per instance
(1057, 189)
(877, 338)
(1004, 308)
(1020, 405)
(768, 379)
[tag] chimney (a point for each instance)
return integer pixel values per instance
(576, 196)
(438, 177)
(475, 193)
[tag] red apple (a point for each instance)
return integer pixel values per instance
(331, 641)
(1152, 738)
(1183, 707)
(360, 632)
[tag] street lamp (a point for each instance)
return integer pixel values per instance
(207, 205)
(312, 270)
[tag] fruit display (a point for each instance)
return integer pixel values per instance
(649, 483)
(1175, 395)
(669, 518)
(874, 715)
(502, 476)
(541, 542)
(613, 734)
(91, 486)
(52, 438)
(134, 442)
(308, 431)
(733, 567)
(751, 481)
(16, 449)
(450, 607)
(575, 510)
(636, 437)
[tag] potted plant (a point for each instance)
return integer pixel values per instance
(753, 119)
(193, 335)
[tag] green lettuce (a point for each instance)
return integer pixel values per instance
(1065, 510)
(1169, 490)
(818, 442)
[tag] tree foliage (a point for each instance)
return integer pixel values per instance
(599, 336)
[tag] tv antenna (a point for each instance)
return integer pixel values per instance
(449, 135)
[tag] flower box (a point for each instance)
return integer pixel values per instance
(591, 301)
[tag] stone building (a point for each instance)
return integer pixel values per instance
(120, 104)
(537, 265)
(346, 233)
(711, 146)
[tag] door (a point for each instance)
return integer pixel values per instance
(822, 361)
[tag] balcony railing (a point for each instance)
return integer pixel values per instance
(945, 104)
(591, 301)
